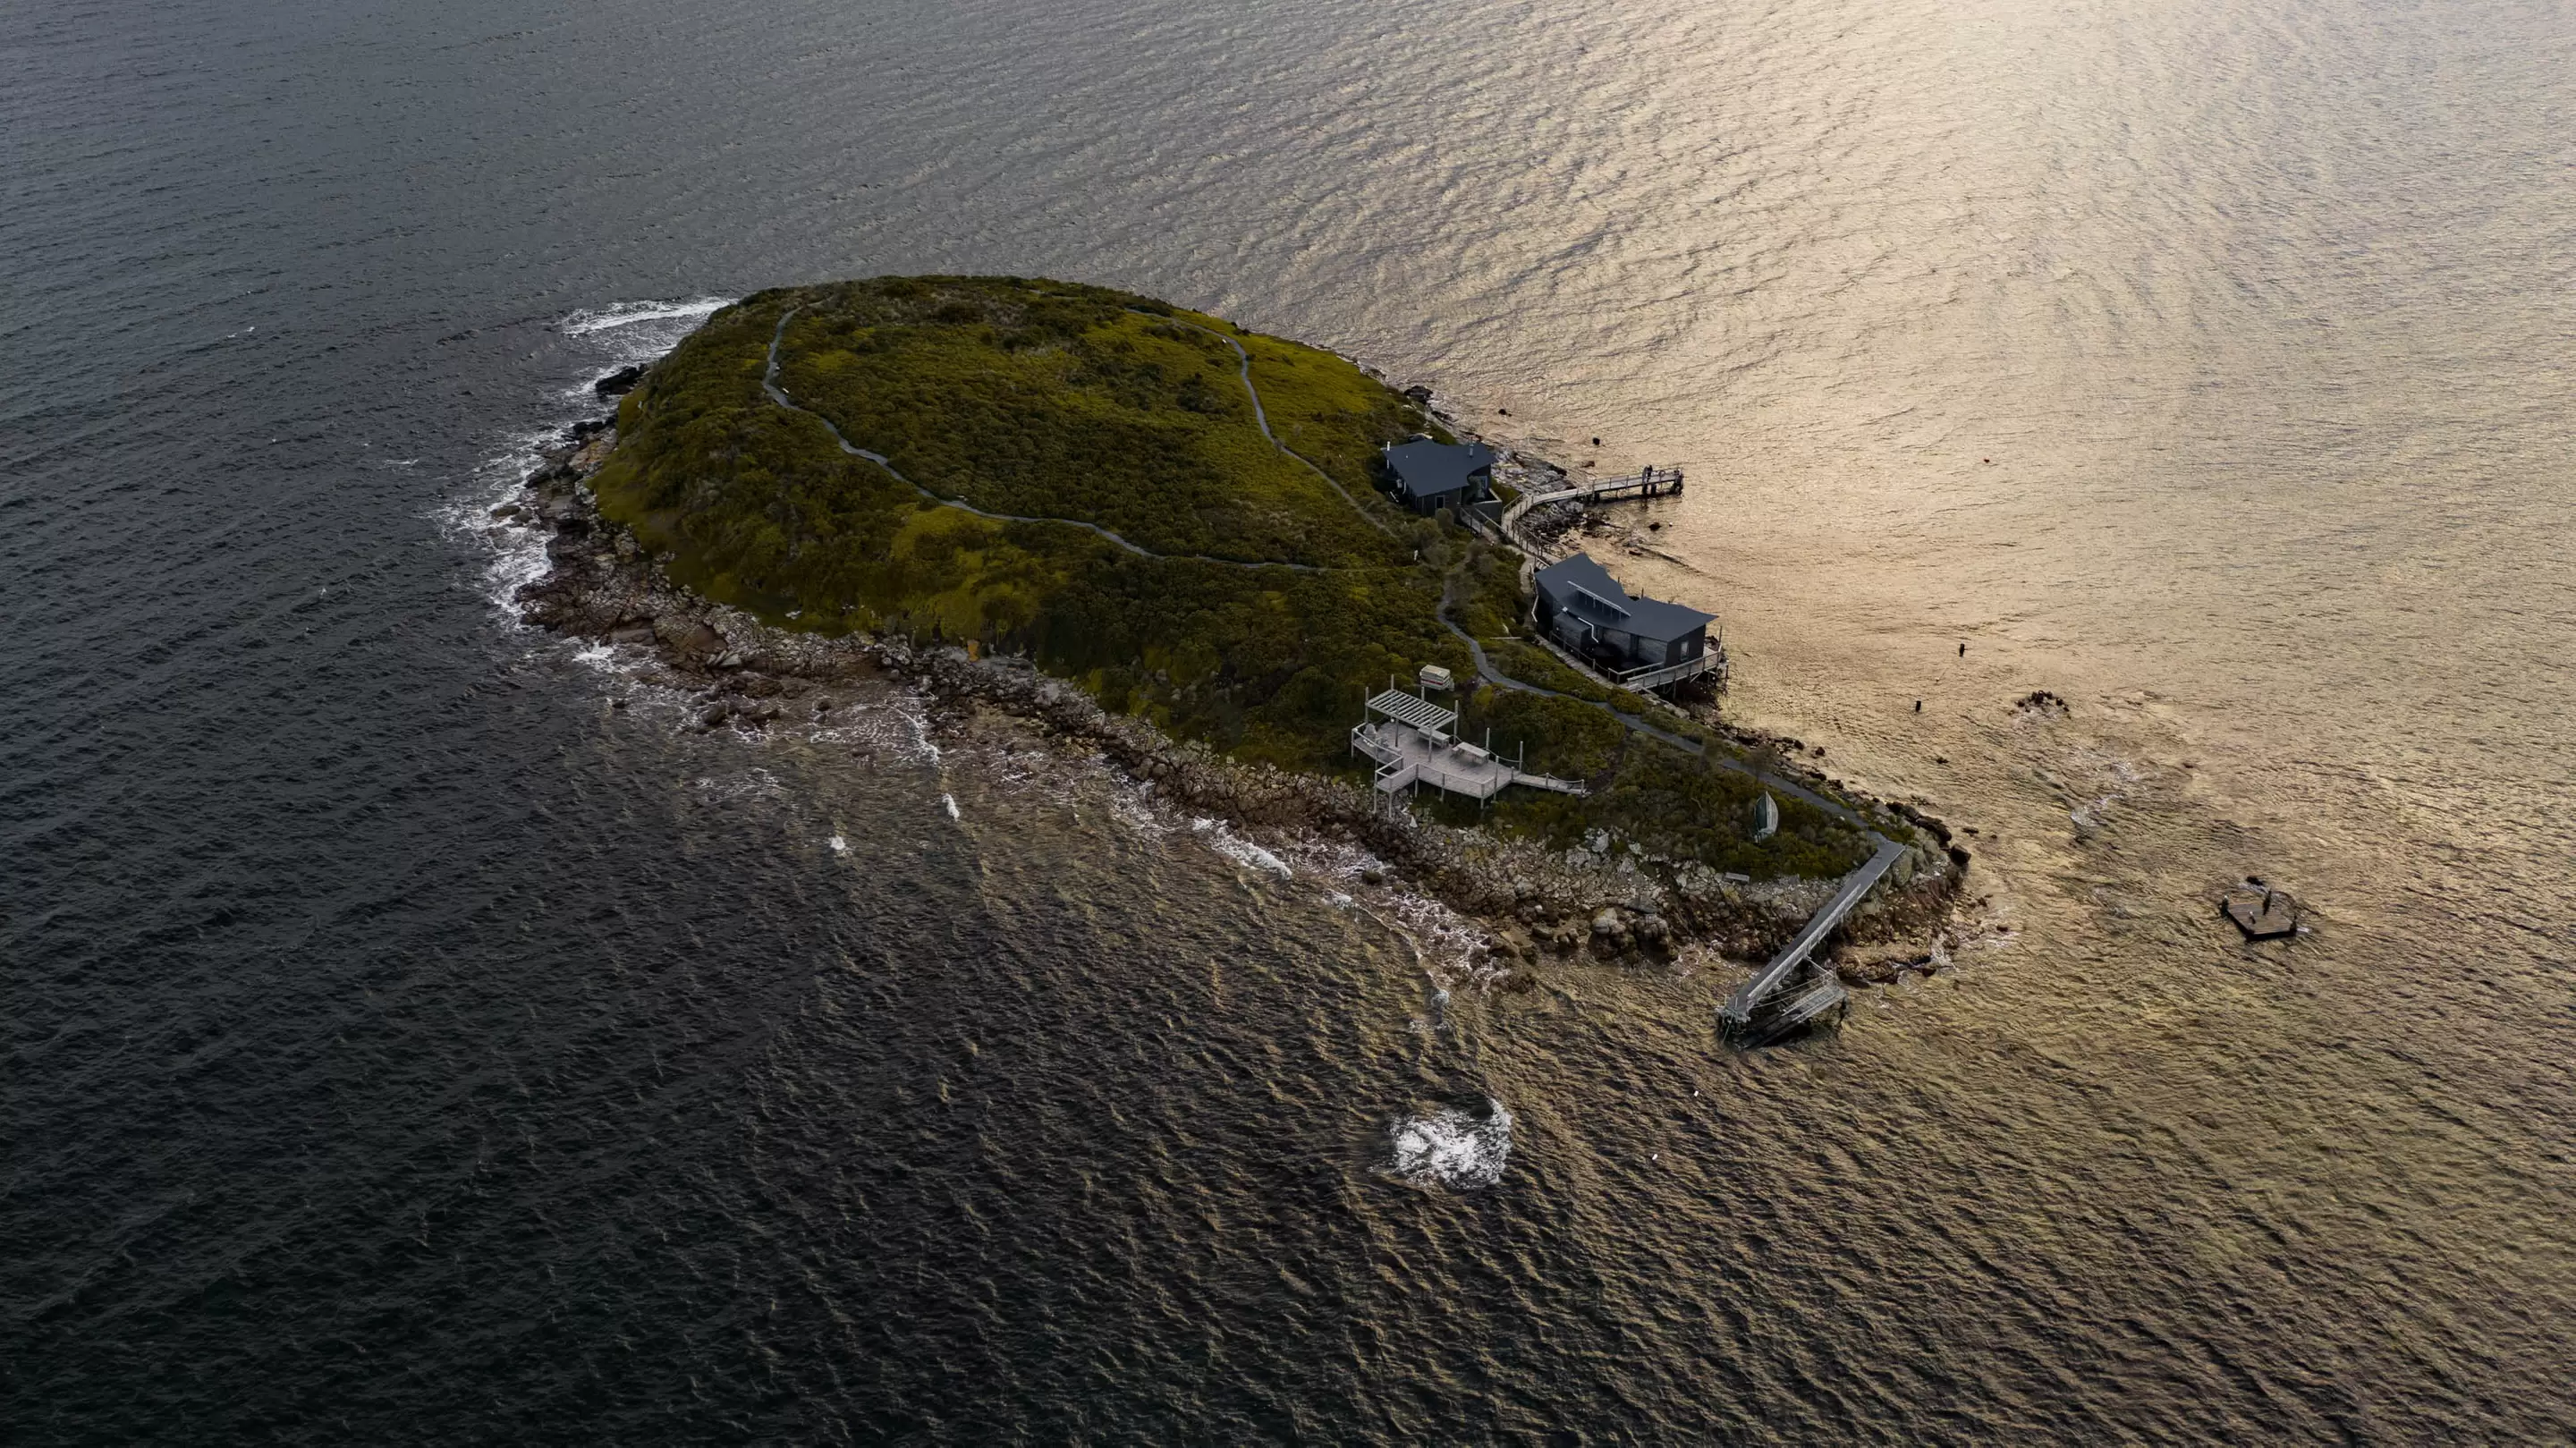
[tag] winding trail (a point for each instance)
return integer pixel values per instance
(1261, 419)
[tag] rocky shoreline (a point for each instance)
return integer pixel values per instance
(1603, 900)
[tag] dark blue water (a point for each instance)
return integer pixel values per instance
(406, 1045)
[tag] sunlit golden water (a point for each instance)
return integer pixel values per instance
(2204, 365)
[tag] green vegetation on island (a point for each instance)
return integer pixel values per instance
(1264, 591)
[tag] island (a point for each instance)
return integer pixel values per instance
(1246, 568)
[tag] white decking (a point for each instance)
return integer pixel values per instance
(1407, 757)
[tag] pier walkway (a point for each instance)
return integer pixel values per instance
(1738, 1011)
(1652, 483)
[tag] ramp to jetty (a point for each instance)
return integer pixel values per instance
(1740, 1007)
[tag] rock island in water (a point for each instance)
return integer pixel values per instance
(1160, 536)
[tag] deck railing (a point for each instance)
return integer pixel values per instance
(1658, 676)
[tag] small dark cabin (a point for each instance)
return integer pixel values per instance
(1582, 607)
(1427, 476)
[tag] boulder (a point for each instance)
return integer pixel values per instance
(619, 382)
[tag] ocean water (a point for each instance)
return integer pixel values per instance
(404, 1044)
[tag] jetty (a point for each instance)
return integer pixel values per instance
(1647, 483)
(1757, 1013)
(1501, 522)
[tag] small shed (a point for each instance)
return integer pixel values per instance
(1427, 476)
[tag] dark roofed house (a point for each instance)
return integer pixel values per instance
(1644, 643)
(1427, 476)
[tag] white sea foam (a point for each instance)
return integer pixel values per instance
(626, 334)
(515, 551)
(1240, 850)
(1452, 1146)
(1131, 808)
(628, 314)
(611, 336)
(750, 784)
(921, 741)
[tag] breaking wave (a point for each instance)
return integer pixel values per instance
(1453, 1146)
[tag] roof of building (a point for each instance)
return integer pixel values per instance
(1422, 714)
(1586, 589)
(1425, 469)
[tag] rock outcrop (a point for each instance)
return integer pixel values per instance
(621, 381)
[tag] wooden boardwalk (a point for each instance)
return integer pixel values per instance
(1652, 483)
(1737, 1015)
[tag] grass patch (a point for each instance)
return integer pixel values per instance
(1327, 410)
(1067, 403)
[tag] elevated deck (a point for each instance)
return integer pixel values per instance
(1406, 757)
(1713, 661)
(1639, 681)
